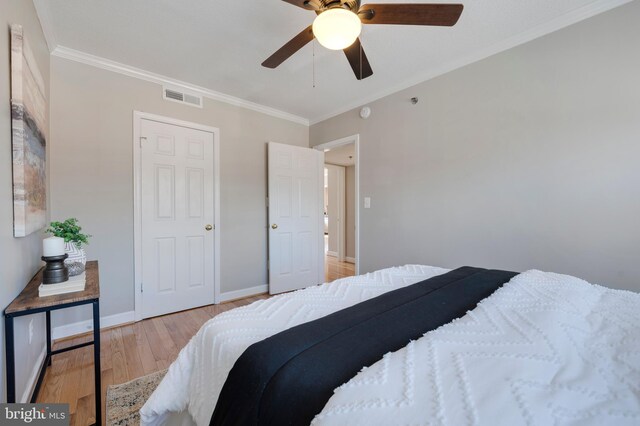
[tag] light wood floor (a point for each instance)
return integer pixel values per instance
(127, 352)
(134, 350)
(333, 269)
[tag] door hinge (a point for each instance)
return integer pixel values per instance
(141, 288)
(142, 138)
(267, 200)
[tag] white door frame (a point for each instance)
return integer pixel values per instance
(138, 116)
(355, 139)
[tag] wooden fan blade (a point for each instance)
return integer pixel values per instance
(445, 15)
(292, 46)
(358, 60)
(305, 4)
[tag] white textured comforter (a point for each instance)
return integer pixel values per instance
(195, 379)
(545, 349)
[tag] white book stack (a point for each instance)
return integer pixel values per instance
(73, 284)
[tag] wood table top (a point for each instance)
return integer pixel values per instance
(29, 299)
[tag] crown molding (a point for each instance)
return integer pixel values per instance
(43, 12)
(556, 24)
(44, 16)
(117, 67)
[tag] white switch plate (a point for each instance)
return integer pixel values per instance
(367, 202)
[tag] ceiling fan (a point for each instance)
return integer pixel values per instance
(338, 24)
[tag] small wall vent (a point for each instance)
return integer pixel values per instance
(181, 97)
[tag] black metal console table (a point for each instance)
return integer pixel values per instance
(28, 303)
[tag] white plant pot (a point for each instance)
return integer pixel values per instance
(77, 259)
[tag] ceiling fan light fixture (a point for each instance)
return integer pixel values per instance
(337, 29)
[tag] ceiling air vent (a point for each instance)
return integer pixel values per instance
(181, 97)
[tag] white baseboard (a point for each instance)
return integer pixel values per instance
(87, 325)
(245, 292)
(332, 253)
(33, 378)
(350, 260)
(80, 327)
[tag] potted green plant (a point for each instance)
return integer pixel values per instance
(74, 239)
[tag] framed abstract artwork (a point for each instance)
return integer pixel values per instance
(28, 124)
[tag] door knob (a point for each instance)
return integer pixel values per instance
(274, 226)
(208, 227)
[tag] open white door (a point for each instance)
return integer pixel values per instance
(295, 217)
(177, 217)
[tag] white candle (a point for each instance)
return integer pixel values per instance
(53, 246)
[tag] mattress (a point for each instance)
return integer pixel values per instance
(193, 382)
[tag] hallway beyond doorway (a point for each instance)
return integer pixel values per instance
(333, 268)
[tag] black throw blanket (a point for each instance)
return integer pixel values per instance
(288, 378)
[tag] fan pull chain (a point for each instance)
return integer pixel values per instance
(361, 53)
(314, 63)
(360, 60)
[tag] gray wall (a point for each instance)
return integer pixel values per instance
(19, 257)
(350, 210)
(528, 159)
(92, 173)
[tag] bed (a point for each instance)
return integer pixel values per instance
(533, 348)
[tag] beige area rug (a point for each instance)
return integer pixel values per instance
(125, 401)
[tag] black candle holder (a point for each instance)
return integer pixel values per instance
(55, 271)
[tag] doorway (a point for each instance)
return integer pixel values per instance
(176, 215)
(340, 207)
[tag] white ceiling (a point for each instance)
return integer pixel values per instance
(219, 45)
